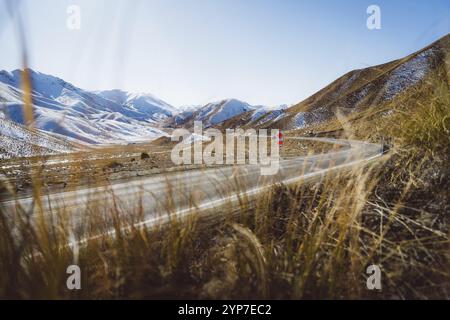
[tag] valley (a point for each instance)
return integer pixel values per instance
(363, 180)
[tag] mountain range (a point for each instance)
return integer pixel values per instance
(75, 116)
(215, 113)
(66, 116)
(61, 108)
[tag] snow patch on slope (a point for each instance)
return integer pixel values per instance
(18, 141)
(408, 74)
(299, 121)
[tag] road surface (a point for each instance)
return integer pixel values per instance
(203, 188)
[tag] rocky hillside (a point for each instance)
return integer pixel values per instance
(359, 90)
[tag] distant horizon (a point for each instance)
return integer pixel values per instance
(199, 52)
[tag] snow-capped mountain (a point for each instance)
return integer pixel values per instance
(256, 116)
(189, 107)
(142, 106)
(229, 113)
(59, 107)
(217, 112)
(183, 115)
(214, 113)
(265, 114)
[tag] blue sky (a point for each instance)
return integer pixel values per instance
(196, 51)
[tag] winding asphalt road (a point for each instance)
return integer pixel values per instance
(203, 188)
